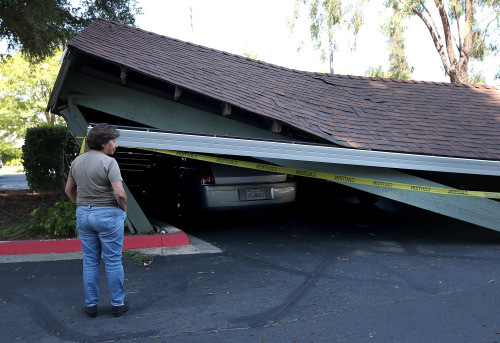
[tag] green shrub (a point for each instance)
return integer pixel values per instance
(58, 220)
(48, 152)
(14, 162)
(11, 156)
(15, 232)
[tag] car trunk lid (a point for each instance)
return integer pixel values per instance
(224, 175)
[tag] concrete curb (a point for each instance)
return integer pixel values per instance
(173, 239)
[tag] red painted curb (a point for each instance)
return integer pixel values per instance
(173, 239)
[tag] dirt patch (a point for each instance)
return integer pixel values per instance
(16, 205)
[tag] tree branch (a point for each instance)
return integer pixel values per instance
(435, 38)
(434, 26)
(466, 51)
(467, 48)
(447, 32)
(458, 28)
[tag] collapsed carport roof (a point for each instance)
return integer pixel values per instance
(441, 119)
(130, 77)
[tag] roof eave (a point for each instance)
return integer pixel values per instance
(61, 76)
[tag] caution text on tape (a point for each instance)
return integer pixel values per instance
(327, 176)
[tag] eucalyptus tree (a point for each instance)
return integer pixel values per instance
(325, 19)
(461, 30)
(394, 28)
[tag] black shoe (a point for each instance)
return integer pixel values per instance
(91, 311)
(119, 310)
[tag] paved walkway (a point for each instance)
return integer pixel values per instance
(195, 246)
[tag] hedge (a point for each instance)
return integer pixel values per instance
(48, 152)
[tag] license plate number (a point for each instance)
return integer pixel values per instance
(256, 194)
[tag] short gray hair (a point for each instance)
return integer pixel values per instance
(100, 135)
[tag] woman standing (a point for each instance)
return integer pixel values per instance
(95, 185)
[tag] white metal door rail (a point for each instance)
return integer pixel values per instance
(302, 152)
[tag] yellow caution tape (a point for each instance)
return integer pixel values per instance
(82, 147)
(327, 176)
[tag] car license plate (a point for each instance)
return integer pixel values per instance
(256, 194)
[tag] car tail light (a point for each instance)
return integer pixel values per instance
(205, 175)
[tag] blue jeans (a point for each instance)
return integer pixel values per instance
(101, 233)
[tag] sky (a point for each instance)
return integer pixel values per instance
(260, 27)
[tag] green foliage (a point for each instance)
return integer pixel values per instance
(252, 55)
(459, 34)
(377, 72)
(140, 259)
(12, 156)
(54, 217)
(58, 220)
(476, 78)
(399, 69)
(325, 18)
(394, 28)
(21, 231)
(40, 27)
(13, 162)
(48, 152)
(24, 94)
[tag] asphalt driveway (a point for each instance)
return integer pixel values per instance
(351, 274)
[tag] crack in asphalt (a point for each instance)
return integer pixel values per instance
(272, 315)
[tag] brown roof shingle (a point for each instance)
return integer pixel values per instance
(432, 118)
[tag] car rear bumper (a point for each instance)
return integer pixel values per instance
(213, 197)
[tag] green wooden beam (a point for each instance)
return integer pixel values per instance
(165, 114)
(75, 120)
(152, 110)
(479, 211)
(136, 219)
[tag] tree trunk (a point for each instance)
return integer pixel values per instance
(330, 51)
(457, 69)
(466, 49)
